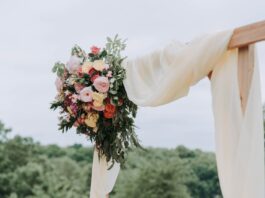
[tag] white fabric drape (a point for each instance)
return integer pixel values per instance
(167, 74)
(102, 180)
(239, 137)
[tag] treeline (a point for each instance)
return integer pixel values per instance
(31, 170)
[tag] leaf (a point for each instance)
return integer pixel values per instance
(113, 92)
(103, 53)
(54, 69)
(58, 68)
(91, 55)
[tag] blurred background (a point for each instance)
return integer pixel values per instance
(36, 160)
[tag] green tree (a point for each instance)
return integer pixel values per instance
(31, 170)
(3, 132)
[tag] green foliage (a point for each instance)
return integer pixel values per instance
(114, 47)
(77, 51)
(176, 173)
(3, 132)
(31, 170)
(158, 179)
(58, 68)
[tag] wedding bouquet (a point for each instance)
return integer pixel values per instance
(91, 97)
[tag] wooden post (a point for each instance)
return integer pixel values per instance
(245, 72)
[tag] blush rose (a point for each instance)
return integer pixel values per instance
(101, 84)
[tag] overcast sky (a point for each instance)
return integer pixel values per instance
(35, 34)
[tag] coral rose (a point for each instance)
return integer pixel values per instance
(110, 108)
(109, 111)
(108, 115)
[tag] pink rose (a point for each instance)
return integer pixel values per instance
(101, 84)
(94, 50)
(59, 84)
(86, 94)
(74, 64)
(78, 87)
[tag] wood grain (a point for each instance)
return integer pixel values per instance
(247, 35)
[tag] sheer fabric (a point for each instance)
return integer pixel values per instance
(167, 74)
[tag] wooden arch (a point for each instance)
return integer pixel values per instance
(244, 39)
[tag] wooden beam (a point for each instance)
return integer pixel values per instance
(245, 72)
(247, 35)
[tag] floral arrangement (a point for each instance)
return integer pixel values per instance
(91, 97)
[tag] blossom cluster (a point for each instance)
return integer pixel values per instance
(92, 98)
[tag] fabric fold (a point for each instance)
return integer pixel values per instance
(239, 137)
(167, 74)
(103, 180)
